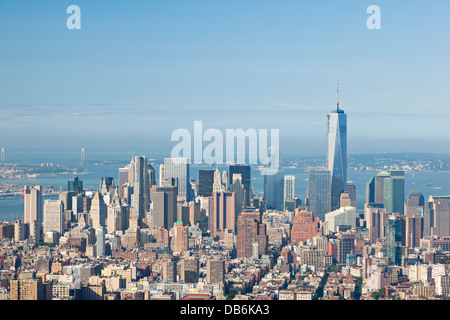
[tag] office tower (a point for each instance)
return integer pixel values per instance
(123, 176)
(178, 169)
(164, 210)
(289, 187)
(2, 158)
(344, 216)
(141, 188)
(151, 173)
(180, 237)
(20, 230)
(305, 227)
(375, 216)
(415, 203)
(205, 183)
(238, 188)
(100, 245)
(33, 207)
(77, 205)
(169, 271)
(225, 180)
(98, 211)
(189, 270)
(223, 216)
(274, 190)
(53, 216)
(217, 185)
(437, 217)
(337, 153)
(345, 244)
(117, 215)
(375, 188)
(413, 230)
(244, 171)
(66, 198)
(428, 218)
(387, 188)
(215, 271)
(394, 235)
(105, 184)
(131, 171)
(75, 185)
(194, 213)
(183, 212)
(394, 192)
(250, 229)
(351, 190)
(161, 175)
(319, 193)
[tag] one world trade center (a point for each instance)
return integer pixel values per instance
(337, 153)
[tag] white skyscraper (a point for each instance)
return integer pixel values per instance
(289, 187)
(54, 216)
(100, 241)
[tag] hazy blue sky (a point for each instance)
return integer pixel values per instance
(137, 70)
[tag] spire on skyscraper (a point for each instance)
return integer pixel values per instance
(337, 94)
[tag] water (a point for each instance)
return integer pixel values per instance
(107, 163)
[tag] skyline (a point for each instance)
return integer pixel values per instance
(270, 66)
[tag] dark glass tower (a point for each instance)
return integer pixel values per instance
(244, 171)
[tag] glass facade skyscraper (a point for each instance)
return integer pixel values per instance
(337, 154)
(178, 169)
(319, 193)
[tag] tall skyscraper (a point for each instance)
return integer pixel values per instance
(98, 211)
(237, 187)
(53, 216)
(337, 153)
(75, 185)
(178, 169)
(319, 193)
(415, 203)
(205, 183)
(123, 176)
(394, 237)
(250, 231)
(437, 216)
(141, 188)
(100, 245)
(394, 192)
(289, 187)
(245, 172)
(223, 216)
(2, 157)
(274, 190)
(180, 237)
(388, 189)
(33, 207)
(164, 209)
(105, 184)
(217, 186)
